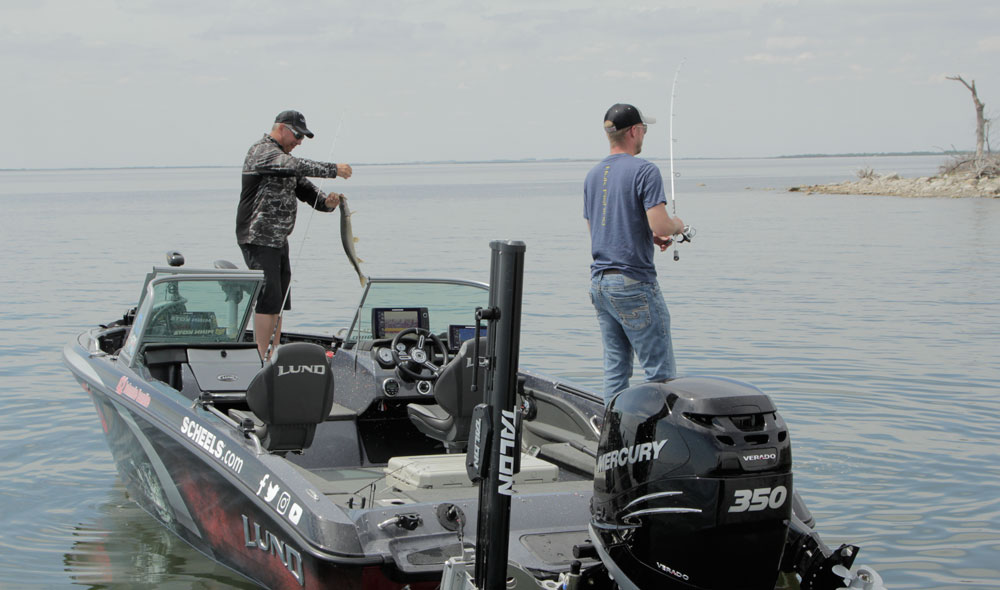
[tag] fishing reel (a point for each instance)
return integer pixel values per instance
(685, 236)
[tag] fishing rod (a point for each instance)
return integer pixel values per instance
(305, 234)
(688, 232)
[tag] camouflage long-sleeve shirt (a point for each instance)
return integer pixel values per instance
(272, 181)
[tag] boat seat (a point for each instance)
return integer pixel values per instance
(291, 394)
(449, 419)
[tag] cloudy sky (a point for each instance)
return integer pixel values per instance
(108, 83)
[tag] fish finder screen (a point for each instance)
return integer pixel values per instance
(387, 322)
(458, 334)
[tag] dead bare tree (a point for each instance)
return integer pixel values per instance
(980, 117)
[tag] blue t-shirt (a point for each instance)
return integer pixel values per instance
(616, 195)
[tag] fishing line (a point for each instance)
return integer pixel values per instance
(305, 233)
(302, 244)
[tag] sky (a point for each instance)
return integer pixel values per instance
(121, 83)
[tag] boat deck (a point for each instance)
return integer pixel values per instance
(435, 478)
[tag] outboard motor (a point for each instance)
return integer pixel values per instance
(693, 486)
(693, 490)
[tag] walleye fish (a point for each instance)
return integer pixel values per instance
(348, 240)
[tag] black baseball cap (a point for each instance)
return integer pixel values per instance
(622, 116)
(295, 120)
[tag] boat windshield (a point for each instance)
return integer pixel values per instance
(195, 310)
(390, 305)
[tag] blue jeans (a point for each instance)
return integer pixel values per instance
(634, 318)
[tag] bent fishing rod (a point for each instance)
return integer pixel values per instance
(687, 234)
(302, 244)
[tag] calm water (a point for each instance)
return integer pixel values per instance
(874, 324)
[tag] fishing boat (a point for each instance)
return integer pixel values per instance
(409, 450)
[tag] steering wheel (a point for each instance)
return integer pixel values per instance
(416, 362)
(161, 315)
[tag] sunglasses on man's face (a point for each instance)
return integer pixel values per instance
(295, 133)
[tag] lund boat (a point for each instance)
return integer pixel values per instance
(397, 452)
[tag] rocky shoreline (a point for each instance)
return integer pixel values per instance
(951, 186)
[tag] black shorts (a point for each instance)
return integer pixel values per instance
(277, 276)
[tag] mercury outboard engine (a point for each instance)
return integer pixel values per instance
(693, 489)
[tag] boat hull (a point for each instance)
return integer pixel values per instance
(196, 483)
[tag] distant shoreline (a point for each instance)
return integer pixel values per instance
(874, 154)
(501, 161)
(927, 186)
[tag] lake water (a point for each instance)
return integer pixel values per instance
(873, 323)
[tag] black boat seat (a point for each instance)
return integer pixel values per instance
(291, 394)
(448, 420)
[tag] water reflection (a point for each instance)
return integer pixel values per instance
(122, 547)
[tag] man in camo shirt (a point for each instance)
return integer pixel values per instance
(273, 181)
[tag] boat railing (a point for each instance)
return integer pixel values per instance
(207, 402)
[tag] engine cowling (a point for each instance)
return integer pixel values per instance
(693, 486)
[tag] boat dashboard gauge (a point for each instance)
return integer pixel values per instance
(391, 387)
(384, 356)
(424, 387)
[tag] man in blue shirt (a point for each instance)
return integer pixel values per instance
(626, 212)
